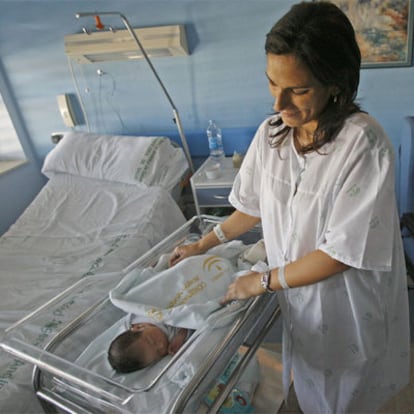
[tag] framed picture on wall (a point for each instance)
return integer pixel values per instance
(384, 30)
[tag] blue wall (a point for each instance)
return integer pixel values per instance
(223, 77)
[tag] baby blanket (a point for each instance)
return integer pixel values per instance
(184, 295)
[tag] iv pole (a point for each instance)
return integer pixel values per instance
(177, 119)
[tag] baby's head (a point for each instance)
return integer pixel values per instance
(140, 346)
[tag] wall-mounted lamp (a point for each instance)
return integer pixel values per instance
(142, 50)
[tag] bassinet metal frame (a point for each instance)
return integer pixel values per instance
(248, 329)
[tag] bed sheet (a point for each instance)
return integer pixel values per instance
(75, 228)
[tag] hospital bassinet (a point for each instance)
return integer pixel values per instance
(54, 336)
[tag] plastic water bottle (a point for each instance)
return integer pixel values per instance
(215, 142)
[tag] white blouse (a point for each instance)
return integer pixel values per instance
(346, 339)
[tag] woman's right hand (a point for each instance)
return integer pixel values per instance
(181, 252)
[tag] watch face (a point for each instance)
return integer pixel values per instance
(264, 281)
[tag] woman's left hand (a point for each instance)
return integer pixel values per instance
(244, 287)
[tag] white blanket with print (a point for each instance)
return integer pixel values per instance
(184, 295)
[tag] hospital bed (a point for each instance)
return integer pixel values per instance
(108, 200)
(69, 375)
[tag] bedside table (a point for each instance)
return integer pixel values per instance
(213, 192)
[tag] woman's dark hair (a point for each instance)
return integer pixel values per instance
(121, 357)
(322, 37)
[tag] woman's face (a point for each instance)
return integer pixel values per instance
(299, 97)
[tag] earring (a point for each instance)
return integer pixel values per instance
(335, 99)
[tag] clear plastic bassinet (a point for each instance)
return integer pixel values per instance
(55, 335)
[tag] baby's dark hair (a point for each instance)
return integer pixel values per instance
(120, 356)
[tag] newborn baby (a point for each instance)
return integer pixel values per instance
(143, 344)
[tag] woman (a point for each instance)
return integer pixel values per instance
(319, 176)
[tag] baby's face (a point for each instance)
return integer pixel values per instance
(153, 342)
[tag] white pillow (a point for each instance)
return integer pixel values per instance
(151, 161)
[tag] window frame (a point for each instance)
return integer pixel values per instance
(16, 122)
